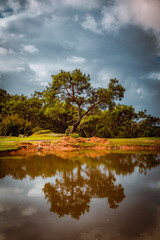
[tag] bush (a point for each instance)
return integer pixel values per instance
(14, 125)
(27, 129)
(74, 135)
(43, 132)
(36, 129)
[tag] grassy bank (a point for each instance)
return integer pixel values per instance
(12, 143)
(135, 141)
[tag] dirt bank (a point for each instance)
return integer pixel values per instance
(70, 144)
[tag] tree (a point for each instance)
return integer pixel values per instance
(72, 193)
(4, 97)
(75, 88)
(118, 122)
(61, 114)
(14, 125)
(148, 126)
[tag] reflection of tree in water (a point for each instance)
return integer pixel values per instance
(82, 178)
(103, 186)
(72, 194)
(46, 166)
(126, 163)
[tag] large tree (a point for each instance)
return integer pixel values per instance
(75, 88)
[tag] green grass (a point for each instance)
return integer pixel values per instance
(33, 137)
(42, 132)
(134, 141)
(8, 146)
(12, 143)
(41, 137)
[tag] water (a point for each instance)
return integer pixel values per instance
(84, 196)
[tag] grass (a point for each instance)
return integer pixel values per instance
(12, 143)
(33, 137)
(42, 132)
(8, 146)
(135, 141)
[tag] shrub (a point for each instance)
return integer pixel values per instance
(36, 129)
(43, 132)
(14, 125)
(74, 135)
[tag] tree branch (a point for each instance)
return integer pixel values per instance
(91, 107)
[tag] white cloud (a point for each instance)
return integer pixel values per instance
(30, 49)
(14, 5)
(33, 9)
(144, 13)
(35, 192)
(20, 69)
(105, 75)
(44, 84)
(155, 76)
(75, 59)
(28, 211)
(91, 24)
(4, 22)
(10, 190)
(5, 51)
(140, 92)
(40, 70)
(76, 18)
(8, 65)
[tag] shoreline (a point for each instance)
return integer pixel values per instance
(77, 144)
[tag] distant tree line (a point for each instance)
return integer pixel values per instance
(70, 104)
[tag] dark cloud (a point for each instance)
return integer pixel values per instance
(38, 38)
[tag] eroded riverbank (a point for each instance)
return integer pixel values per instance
(94, 143)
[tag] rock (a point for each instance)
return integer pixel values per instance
(38, 148)
(21, 135)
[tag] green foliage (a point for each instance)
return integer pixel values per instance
(122, 121)
(42, 132)
(75, 88)
(4, 96)
(36, 129)
(74, 135)
(13, 126)
(70, 104)
(148, 127)
(61, 114)
(8, 146)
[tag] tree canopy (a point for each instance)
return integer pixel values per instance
(70, 103)
(75, 88)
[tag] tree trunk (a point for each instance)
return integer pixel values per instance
(76, 124)
(74, 127)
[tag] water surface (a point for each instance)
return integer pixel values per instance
(82, 196)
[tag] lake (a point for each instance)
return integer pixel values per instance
(80, 195)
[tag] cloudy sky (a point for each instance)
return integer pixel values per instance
(104, 38)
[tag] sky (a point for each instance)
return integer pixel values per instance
(104, 38)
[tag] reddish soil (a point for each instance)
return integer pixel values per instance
(68, 144)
